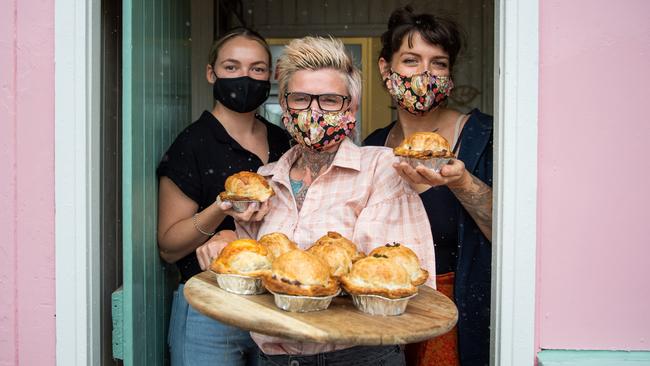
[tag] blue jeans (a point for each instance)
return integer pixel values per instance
(196, 340)
(355, 356)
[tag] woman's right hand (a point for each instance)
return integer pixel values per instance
(254, 212)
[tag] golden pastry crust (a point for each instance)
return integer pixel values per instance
(246, 186)
(424, 145)
(334, 238)
(378, 275)
(244, 257)
(337, 257)
(300, 273)
(277, 244)
(405, 257)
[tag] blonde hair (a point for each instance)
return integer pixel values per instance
(315, 53)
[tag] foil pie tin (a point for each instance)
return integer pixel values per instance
(434, 164)
(238, 284)
(302, 304)
(241, 206)
(379, 305)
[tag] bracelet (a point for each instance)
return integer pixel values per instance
(196, 225)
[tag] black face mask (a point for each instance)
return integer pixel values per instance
(242, 94)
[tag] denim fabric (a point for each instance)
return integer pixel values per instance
(355, 356)
(196, 340)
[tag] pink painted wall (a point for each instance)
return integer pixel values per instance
(594, 175)
(27, 332)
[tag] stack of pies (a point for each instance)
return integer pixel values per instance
(425, 148)
(244, 188)
(302, 281)
(338, 252)
(277, 244)
(240, 265)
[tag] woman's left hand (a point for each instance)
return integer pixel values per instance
(211, 248)
(452, 175)
(254, 211)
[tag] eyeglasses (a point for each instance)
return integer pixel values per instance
(326, 102)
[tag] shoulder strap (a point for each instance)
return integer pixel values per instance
(457, 131)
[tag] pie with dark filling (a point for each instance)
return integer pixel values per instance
(405, 257)
(378, 275)
(424, 145)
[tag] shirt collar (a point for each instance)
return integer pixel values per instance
(219, 131)
(347, 156)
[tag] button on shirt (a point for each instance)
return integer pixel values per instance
(360, 196)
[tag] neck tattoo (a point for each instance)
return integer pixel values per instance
(314, 161)
(311, 164)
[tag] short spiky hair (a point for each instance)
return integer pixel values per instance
(315, 53)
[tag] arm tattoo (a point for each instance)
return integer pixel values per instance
(477, 200)
(313, 164)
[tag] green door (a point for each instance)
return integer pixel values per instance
(156, 106)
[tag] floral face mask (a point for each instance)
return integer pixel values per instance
(419, 93)
(318, 130)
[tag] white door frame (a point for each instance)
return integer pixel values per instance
(77, 46)
(515, 183)
(77, 97)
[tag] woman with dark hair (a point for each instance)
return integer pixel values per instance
(228, 139)
(420, 49)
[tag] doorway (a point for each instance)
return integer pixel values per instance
(502, 113)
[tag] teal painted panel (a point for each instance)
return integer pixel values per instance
(593, 358)
(117, 307)
(156, 106)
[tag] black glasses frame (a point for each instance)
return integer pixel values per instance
(317, 96)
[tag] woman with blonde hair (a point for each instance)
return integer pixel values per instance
(326, 182)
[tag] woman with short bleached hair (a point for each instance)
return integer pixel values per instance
(312, 53)
(327, 183)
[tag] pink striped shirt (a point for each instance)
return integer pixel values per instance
(360, 196)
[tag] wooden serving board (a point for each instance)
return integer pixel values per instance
(428, 315)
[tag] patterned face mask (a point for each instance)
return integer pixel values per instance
(318, 130)
(419, 93)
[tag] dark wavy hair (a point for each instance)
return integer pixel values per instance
(436, 30)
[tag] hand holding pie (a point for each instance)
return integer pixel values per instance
(429, 149)
(244, 188)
